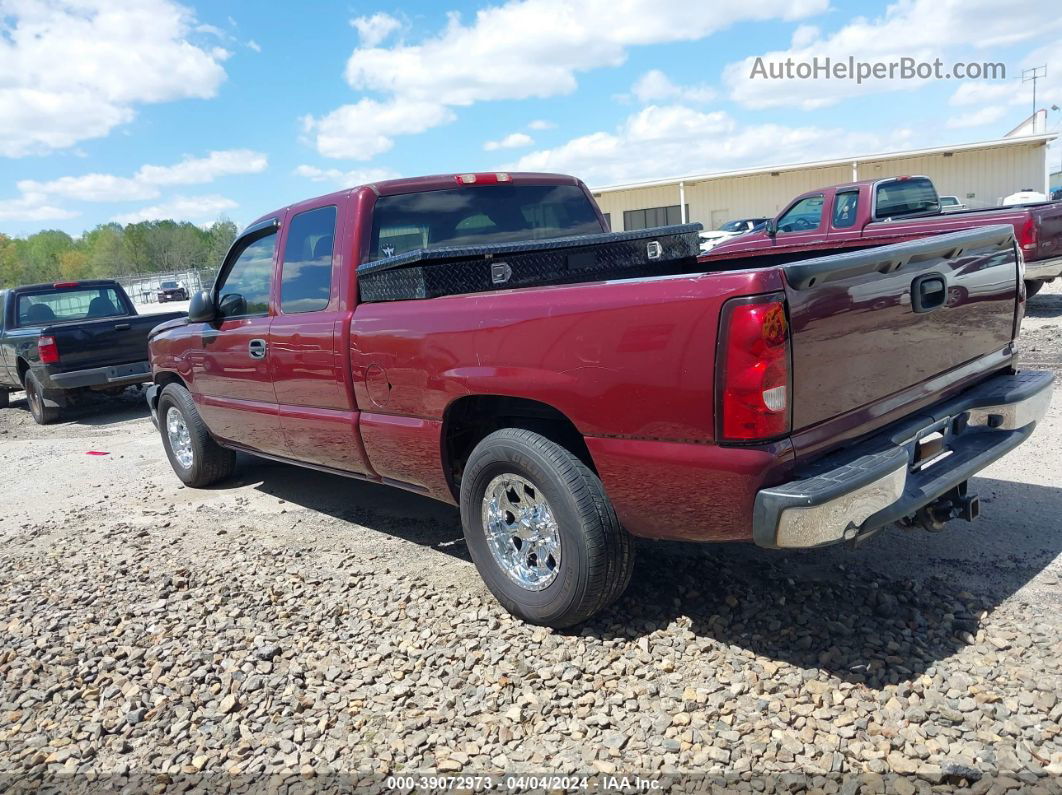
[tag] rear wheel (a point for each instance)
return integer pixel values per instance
(1033, 286)
(198, 460)
(4, 398)
(541, 529)
(42, 414)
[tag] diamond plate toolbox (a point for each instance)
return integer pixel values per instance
(437, 272)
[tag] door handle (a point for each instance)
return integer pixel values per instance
(256, 349)
(122, 327)
(928, 292)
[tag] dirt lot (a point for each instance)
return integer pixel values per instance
(296, 624)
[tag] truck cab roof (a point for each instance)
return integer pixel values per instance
(391, 187)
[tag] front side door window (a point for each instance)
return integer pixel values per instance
(243, 291)
(804, 216)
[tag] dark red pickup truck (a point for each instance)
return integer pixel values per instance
(482, 339)
(878, 212)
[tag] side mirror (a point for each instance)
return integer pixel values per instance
(201, 308)
(771, 227)
(232, 305)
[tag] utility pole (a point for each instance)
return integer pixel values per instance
(1033, 74)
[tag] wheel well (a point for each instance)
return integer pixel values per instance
(166, 378)
(469, 419)
(22, 367)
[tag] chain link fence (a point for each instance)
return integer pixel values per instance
(143, 288)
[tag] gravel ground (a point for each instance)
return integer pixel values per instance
(308, 628)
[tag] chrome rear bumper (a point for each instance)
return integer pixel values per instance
(1043, 269)
(881, 481)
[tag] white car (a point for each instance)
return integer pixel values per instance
(951, 204)
(1024, 196)
(729, 230)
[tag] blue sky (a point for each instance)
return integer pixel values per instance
(148, 108)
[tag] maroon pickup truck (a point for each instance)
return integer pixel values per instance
(482, 339)
(878, 212)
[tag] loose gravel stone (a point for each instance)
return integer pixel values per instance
(345, 632)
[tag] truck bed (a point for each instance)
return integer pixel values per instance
(105, 342)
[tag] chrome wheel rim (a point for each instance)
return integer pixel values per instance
(522, 532)
(179, 438)
(34, 399)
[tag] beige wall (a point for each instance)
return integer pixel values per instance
(989, 174)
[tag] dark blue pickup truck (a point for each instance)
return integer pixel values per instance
(61, 341)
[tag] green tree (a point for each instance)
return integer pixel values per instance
(105, 248)
(111, 250)
(222, 234)
(42, 252)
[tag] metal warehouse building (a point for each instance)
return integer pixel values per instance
(980, 174)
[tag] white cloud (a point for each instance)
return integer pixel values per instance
(541, 124)
(91, 188)
(952, 30)
(35, 202)
(986, 115)
(365, 129)
(32, 207)
(199, 170)
(145, 183)
(655, 86)
(516, 140)
(516, 50)
(180, 208)
(75, 70)
(375, 29)
(1012, 98)
(253, 45)
(673, 139)
(343, 178)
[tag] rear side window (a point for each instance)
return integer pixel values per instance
(803, 216)
(897, 198)
(59, 306)
(845, 205)
(244, 290)
(479, 215)
(306, 280)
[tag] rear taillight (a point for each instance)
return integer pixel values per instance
(752, 394)
(47, 350)
(1027, 235)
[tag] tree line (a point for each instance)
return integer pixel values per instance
(112, 250)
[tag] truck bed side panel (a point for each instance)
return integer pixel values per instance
(628, 358)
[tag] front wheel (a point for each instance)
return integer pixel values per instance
(541, 530)
(1032, 287)
(5, 398)
(198, 460)
(42, 413)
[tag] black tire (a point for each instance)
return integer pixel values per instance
(5, 398)
(210, 461)
(596, 553)
(1032, 287)
(35, 395)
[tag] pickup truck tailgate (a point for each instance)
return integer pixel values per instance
(869, 324)
(84, 344)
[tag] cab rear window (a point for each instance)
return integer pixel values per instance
(60, 306)
(479, 215)
(897, 198)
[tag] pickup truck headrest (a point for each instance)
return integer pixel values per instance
(38, 313)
